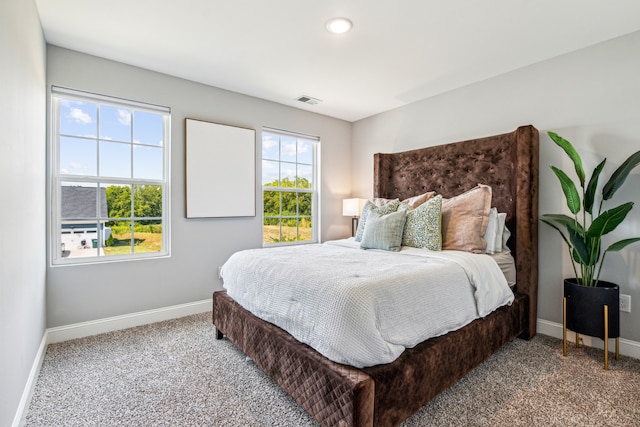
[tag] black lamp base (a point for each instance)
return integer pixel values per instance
(354, 226)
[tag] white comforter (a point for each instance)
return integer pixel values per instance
(363, 308)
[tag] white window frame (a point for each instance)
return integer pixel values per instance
(314, 190)
(56, 178)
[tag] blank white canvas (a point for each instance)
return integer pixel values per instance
(220, 170)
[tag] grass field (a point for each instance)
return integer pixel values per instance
(152, 242)
(271, 234)
(144, 242)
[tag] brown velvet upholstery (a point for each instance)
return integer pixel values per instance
(385, 395)
(422, 372)
(335, 394)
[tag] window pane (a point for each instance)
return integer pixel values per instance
(270, 147)
(271, 230)
(118, 200)
(78, 202)
(271, 203)
(287, 174)
(305, 176)
(304, 228)
(115, 159)
(304, 204)
(147, 162)
(289, 230)
(78, 118)
(80, 239)
(147, 202)
(287, 149)
(270, 173)
(305, 151)
(115, 123)
(147, 236)
(289, 204)
(147, 128)
(118, 238)
(78, 156)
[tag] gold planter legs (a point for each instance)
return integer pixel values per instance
(606, 335)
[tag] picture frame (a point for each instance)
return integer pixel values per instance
(220, 170)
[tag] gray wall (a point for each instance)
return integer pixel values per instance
(22, 195)
(198, 246)
(591, 97)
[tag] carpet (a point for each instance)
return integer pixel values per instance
(175, 373)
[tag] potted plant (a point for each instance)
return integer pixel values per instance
(585, 293)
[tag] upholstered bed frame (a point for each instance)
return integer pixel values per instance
(385, 395)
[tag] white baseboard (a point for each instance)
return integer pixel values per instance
(30, 386)
(627, 347)
(94, 327)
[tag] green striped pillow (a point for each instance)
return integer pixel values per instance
(383, 231)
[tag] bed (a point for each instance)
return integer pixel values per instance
(338, 394)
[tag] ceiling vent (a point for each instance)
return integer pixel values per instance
(308, 100)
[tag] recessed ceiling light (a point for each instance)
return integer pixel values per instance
(339, 25)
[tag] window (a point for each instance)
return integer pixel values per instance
(109, 178)
(289, 187)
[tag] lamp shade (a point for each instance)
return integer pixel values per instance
(352, 207)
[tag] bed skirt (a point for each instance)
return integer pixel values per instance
(383, 395)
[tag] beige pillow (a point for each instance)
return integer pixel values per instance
(465, 218)
(415, 201)
(412, 202)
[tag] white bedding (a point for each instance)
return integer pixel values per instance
(363, 308)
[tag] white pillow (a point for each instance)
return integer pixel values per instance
(505, 236)
(502, 217)
(492, 232)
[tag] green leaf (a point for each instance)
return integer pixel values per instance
(615, 247)
(576, 257)
(572, 153)
(609, 220)
(549, 223)
(581, 248)
(620, 175)
(569, 189)
(590, 194)
(566, 221)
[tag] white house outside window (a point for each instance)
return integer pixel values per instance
(109, 178)
(289, 187)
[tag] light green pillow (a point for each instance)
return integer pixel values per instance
(423, 227)
(388, 208)
(383, 231)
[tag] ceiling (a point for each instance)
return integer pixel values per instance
(398, 52)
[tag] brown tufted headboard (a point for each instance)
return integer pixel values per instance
(507, 162)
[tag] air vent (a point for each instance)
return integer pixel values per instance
(308, 100)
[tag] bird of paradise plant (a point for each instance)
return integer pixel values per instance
(585, 229)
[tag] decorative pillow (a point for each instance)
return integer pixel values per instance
(502, 217)
(412, 202)
(465, 218)
(490, 236)
(422, 228)
(415, 201)
(390, 207)
(383, 231)
(505, 237)
(381, 201)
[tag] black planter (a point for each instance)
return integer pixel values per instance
(585, 308)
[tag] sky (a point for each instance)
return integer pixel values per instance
(280, 155)
(112, 141)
